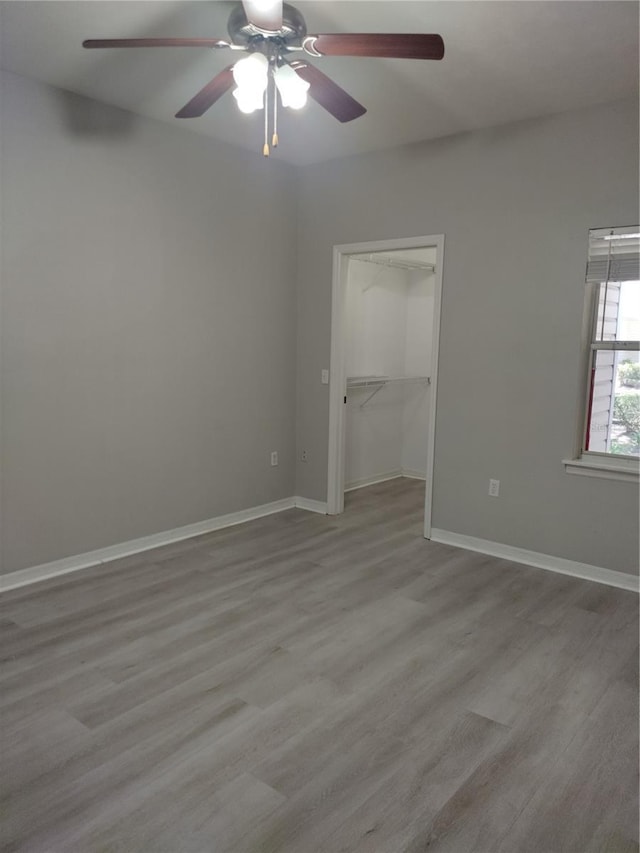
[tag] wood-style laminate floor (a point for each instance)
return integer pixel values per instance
(303, 683)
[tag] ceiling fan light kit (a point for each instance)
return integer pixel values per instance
(269, 31)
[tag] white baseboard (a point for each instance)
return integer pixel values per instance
(413, 474)
(540, 561)
(311, 505)
(370, 481)
(382, 478)
(13, 580)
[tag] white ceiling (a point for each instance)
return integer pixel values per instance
(504, 61)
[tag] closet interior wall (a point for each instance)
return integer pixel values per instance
(389, 313)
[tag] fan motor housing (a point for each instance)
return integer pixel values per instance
(242, 32)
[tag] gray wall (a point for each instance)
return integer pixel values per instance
(515, 203)
(149, 321)
(148, 326)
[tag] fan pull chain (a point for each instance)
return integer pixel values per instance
(265, 147)
(274, 138)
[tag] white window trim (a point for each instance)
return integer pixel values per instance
(604, 467)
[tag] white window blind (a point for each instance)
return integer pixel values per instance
(614, 255)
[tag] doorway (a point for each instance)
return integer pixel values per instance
(385, 326)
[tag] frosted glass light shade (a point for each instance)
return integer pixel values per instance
(293, 89)
(248, 101)
(251, 73)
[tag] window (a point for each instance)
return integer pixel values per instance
(612, 421)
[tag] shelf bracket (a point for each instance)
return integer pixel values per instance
(372, 394)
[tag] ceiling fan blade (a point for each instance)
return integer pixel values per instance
(208, 95)
(327, 93)
(196, 42)
(385, 45)
(264, 14)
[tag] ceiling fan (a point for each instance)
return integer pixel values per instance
(273, 33)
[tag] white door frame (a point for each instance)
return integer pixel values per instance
(337, 382)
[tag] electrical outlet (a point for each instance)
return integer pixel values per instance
(305, 455)
(324, 377)
(494, 488)
(274, 458)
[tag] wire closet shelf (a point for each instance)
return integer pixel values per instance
(377, 383)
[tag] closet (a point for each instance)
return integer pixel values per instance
(389, 317)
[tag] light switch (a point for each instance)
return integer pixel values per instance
(325, 377)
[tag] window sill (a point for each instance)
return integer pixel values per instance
(627, 470)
